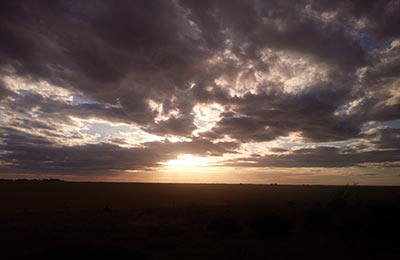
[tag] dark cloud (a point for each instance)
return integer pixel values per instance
(377, 146)
(383, 138)
(23, 152)
(322, 69)
(274, 113)
(318, 157)
(175, 126)
(32, 111)
(120, 53)
(244, 129)
(253, 25)
(378, 98)
(379, 18)
(278, 150)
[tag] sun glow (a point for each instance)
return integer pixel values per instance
(188, 168)
(187, 160)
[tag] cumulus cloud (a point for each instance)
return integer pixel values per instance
(324, 70)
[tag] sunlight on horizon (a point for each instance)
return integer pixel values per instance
(187, 160)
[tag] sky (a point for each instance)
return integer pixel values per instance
(238, 91)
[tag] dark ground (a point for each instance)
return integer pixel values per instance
(65, 220)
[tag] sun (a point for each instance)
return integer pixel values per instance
(186, 160)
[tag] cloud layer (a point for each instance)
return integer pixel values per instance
(208, 78)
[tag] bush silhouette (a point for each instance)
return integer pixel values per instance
(271, 226)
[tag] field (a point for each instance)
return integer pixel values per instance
(68, 220)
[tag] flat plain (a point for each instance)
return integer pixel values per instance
(72, 220)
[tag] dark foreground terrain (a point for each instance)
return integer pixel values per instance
(63, 220)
